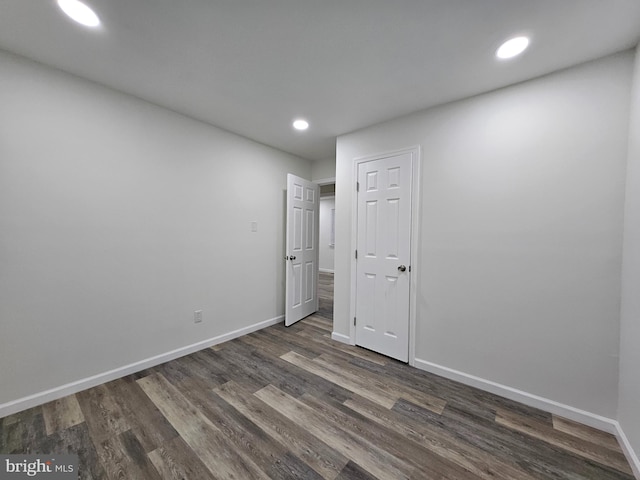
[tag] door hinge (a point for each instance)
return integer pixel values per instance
(356, 254)
(354, 321)
(357, 186)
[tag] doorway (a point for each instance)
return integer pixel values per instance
(306, 289)
(326, 248)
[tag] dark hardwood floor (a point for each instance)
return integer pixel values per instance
(288, 403)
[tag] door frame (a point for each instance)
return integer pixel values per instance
(414, 238)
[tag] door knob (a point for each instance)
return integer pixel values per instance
(402, 268)
(292, 257)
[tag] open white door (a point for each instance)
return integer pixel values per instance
(302, 248)
(383, 265)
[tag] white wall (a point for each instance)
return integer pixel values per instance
(520, 232)
(118, 219)
(629, 410)
(323, 169)
(326, 249)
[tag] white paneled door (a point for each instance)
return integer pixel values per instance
(383, 264)
(302, 248)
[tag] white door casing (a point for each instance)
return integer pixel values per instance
(383, 265)
(301, 248)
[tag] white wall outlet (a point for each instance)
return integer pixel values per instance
(254, 226)
(197, 316)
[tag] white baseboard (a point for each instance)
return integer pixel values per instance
(587, 418)
(325, 270)
(36, 399)
(628, 450)
(338, 337)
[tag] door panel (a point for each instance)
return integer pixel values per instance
(302, 249)
(384, 246)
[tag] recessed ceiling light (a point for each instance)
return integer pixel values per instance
(79, 12)
(513, 47)
(300, 124)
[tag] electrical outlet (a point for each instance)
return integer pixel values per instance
(254, 227)
(197, 316)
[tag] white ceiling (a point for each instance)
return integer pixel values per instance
(252, 66)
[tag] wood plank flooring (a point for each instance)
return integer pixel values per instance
(290, 403)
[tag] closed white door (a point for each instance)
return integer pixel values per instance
(383, 262)
(302, 248)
